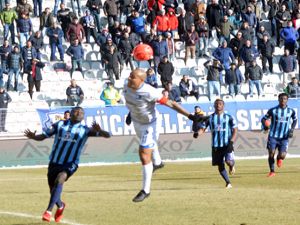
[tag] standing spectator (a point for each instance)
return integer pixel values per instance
(290, 36)
(78, 7)
(224, 29)
(37, 4)
(166, 71)
(188, 88)
(37, 41)
(199, 8)
(173, 21)
(55, 35)
(7, 17)
(125, 7)
(110, 95)
(74, 94)
(267, 49)
(174, 93)
(224, 55)
(75, 31)
(293, 88)
(113, 61)
(110, 9)
(282, 17)
(77, 54)
(5, 49)
(273, 9)
(161, 23)
(151, 78)
(160, 49)
(138, 24)
(236, 44)
(214, 15)
(34, 77)
(260, 35)
(247, 32)
(56, 6)
(214, 77)
(24, 7)
(202, 29)
(191, 39)
(250, 17)
(248, 54)
(182, 24)
(171, 46)
(24, 28)
(64, 18)
(254, 75)
(89, 26)
(94, 7)
(126, 46)
(46, 20)
(15, 65)
(28, 53)
(234, 78)
(287, 65)
(4, 100)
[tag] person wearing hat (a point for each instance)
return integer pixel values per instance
(7, 17)
(234, 78)
(173, 21)
(4, 100)
(202, 29)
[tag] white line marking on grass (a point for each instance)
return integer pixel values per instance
(24, 215)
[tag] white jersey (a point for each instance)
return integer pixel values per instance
(141, 103)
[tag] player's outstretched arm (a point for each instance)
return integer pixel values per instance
(97, 131)
(32, 135)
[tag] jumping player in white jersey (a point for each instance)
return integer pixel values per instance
(141, 99)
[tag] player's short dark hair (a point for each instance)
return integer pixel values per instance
(282, 95)
(219, 100)
(74, 109)
(68, 111)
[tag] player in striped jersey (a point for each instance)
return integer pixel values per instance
(283, 122)
(223, 129)
(70, 137)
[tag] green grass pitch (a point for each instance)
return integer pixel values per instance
(182, 194)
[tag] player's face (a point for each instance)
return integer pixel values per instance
(77, 116)
(283, 101)
(134, 80)
(219, 106)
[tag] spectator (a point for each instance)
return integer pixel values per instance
(24, 7)
(267, 49)
(74, 94)
(78, 7)
(224, 55)
(191, 39)
(56, 7)
(248, 53)
(37, 41)
(198, 125)
(46, 20)
(254, 75)
(166, 71)
(182, 24)
(4, 100)
(113, 62)
(75, 31)
(24, 29)
(7, 17)
(214, 77)
(273, 9)
(138, 24)
(260, 35)
(110, 9)
(5, 49)
(161, 23)
(214, 15)
(64, 18)
(77, 54)
(37, 4)
(174, 93)
(171, 46)
(15, 65)
(55, 35)
(234, 78)
(287, 65)
(202, 29)
(110, 95)
(282, 17)
(224, 29)
(290, 36)
(247, 32)
(160, 49)
(151, 78)
(293, 88)
(198, 8)
(125, 47)
(236, 44)
(89, 26)
(34, 77)
(188, 88)
(94, 7)
(250, 17)
(28, 53)
(173, 21)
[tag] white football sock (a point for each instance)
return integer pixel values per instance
(156, 156)
(147, 176)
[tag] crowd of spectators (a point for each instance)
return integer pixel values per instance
(239, 26)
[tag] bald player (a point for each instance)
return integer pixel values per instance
(141, 99)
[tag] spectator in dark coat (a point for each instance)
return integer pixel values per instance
(174, 93)
(188, 88)
(4, 100)
(250, 17)
(287, 65)
(55, 35)
(111, 10)
(214, 77)
(28, 53)
(125, 47)
(160, 49)
(236, 44)
(37, 41)
(248, 53)
(191, 39)
(254, 75)
(64, 18)
(234, 78)
(113, 62)
(77, 54)
(94, 7)
(15, 65)
(214, 15)
(24, 29)
(34, 76)
(293, 88)
(24, 7)
(267, 49)
(46, 20)
(5, 49)
(166, 70)
(74, 94)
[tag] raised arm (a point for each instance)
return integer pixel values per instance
(32, 135)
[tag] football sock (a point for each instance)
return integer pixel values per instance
(147, 176)
(55, 196)
(223, 173)
(156, 156)
(271, 163)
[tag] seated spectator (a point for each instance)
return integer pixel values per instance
(74, 94)
(34, 76)
(151, 78)
(110, 95)
(174, 94)
(293, 88)
(188, 88)
(199, 125)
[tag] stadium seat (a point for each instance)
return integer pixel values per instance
(203, 99)
(269, 89)
(245, 88)
(77, 75)
(92, 56)
(95, 65)
(253, 97)
(64, 76)
(239, 98)
(227, 98)
(86, 65)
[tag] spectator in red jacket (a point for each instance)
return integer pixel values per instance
(173, 21)
(161, 23)
(75, 31)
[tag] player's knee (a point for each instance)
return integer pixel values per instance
(61, 178)
(230, 162)
(271, 154)
(282, 155)
(221, 167)
(145, 156)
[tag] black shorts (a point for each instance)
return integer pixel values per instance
(218, 155)
(55, 169)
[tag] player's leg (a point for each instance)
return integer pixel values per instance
(218, 160)
(157, 163)
(282, 150)
(271, 146)
(229, 160)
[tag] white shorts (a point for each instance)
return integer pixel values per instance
(147, 133)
